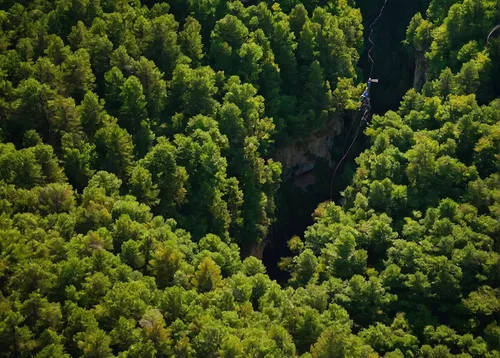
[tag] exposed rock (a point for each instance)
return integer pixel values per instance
(420, 70)
(257, 249)
(299, 158)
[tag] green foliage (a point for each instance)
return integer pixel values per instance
(137, 179)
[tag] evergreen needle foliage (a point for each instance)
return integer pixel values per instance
(136, 175)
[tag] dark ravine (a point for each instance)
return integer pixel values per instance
(301, 190)
(307, 169)
(394, 64)
(300, 161)
(300, 158)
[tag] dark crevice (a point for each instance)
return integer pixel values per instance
(394, 66)
(296, 206)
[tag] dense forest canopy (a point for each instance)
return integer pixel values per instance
(136, 174)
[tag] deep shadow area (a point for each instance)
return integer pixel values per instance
(394, 64)
(296, 206)
(294, 209)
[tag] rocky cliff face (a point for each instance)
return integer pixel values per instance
(257, 249)
(299, 158)
(420, 70)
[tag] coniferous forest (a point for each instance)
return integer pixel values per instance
(139, 178)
